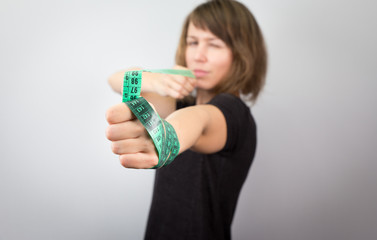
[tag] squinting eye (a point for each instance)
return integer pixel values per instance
(214, 45)
(193, 43)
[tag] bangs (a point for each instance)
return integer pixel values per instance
(199, 21)
(210, 17)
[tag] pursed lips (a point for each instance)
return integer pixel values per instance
(200, 73)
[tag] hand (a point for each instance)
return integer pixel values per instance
(129, 138)
(175, 86)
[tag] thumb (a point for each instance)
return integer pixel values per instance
(119, 113)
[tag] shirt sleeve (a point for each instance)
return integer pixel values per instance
(236, 114)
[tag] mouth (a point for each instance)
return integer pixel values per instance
(200, 73)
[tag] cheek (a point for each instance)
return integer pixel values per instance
(188, 57)
(223, 63)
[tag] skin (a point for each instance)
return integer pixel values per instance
(201, 128)
(209, 58)
(160, 89)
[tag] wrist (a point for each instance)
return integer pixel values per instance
(147, 84)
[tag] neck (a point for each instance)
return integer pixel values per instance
(203, 97)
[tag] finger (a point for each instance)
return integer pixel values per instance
(172, 93)
(187, 83)
(119, 113)
(133, 145)
(139, 160)
(125, 130)
(193, 82)
(177, 84)
(175, 94)
(190, 84)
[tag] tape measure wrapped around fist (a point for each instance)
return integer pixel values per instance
(161, 132)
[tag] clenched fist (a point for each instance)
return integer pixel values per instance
(130, 140)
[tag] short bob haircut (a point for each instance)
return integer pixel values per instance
(234, 24)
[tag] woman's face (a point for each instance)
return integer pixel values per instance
(207, 56)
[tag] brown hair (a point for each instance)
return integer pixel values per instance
(233, 23)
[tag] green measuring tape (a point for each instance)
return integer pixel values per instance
(162, 133)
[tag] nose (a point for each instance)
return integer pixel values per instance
(201, 53)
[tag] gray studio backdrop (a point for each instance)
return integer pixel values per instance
(314, 173)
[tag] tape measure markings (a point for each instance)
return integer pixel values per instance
(161, 132)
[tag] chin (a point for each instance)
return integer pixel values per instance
(203, 85)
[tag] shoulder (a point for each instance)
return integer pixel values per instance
(239, 120)
(230, 105)
(226, 99)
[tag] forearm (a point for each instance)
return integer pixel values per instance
(116, 81)
(200, 128)
(163, 105)
(189, 124)
(147, 85)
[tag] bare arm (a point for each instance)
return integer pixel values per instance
(201, 128)
(161, 90)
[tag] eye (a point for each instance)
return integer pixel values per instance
(192, 43)
(215, 45)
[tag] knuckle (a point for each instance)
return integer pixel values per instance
(152, 161)
(181, 88)
(143, 146)
(110, 115)
(165, 90)
(139, 129)
(109, 133)
(115, 147)
(123, 161)
(176, 95)
(148, 146)
(180, 79)
(189, 86)
(173, 93)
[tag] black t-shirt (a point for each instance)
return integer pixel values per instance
(196, 195)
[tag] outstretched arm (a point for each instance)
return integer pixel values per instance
(162, 90)
(201, 128)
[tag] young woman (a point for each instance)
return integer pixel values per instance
(196, 195)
